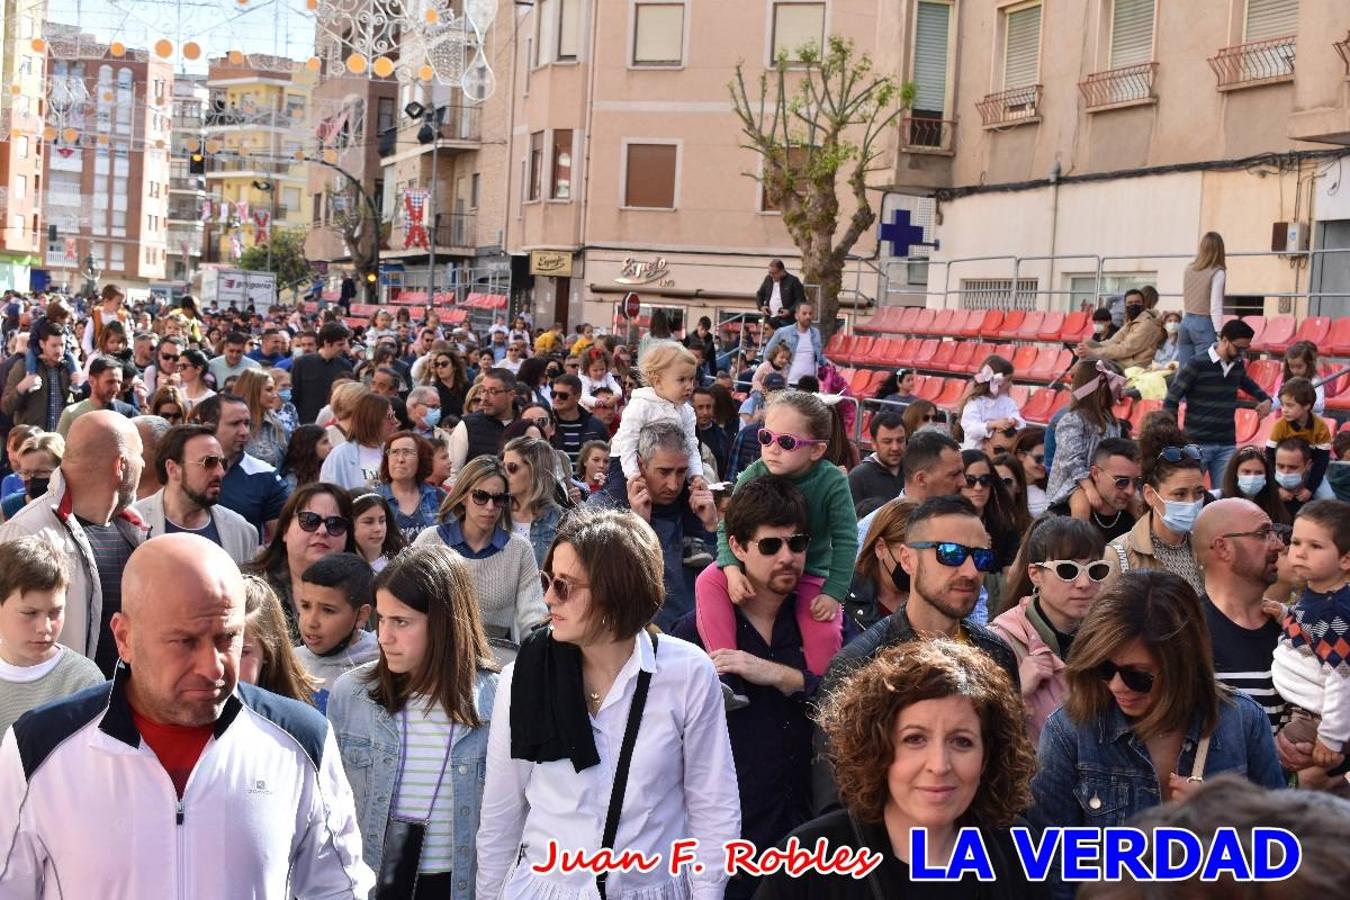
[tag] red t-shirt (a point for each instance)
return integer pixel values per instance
(177, 746)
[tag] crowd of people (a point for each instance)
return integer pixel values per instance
(412, 611)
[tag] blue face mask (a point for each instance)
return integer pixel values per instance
(1289, 480)
(285, 395)
(433, 416)
(1251, 485)
(1180, 516)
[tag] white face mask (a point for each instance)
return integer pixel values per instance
(1172, 327)
(1099, 328)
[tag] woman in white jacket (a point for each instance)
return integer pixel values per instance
(556, 745)
(356, 464)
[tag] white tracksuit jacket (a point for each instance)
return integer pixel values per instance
(88, 811)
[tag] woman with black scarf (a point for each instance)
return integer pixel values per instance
(605, 735)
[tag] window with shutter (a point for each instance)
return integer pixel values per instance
(931, 23)
(796, 25)
(658, 34)
(569, 28)
(1021, 54)
(1131, 33)
(1268, 19)
(545, 13)
(650, 176)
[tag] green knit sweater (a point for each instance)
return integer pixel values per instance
(833, 525)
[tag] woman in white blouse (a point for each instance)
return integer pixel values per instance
(557, 735)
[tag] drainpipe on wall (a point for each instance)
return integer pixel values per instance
(1054, 229)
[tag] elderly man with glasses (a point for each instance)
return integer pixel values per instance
(191, 465)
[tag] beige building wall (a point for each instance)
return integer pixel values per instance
(716, 238)
(1111, 164)
(20, 142)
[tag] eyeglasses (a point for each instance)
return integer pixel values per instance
(1123, 481)
(1010, 482)
(1175, 455)
(443, 364)
(168, 357)
(604, 406)
(334, 525)
(209, 462)
(1011, 431)
(1261, 534)
(401, 452)
(788, 442)
(492, 392)
(513, 467)
(1134, 679)
(561, 395)
(770, 546)
(1068, 570)
(952, 554)
(540, 422)
(985, 480)
(170, 417)
(931, 417)
(483, 498)
(561, 589)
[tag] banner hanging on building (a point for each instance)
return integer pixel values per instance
(414, 208)
(263, 233)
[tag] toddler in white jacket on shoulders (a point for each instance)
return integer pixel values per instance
(668, 369)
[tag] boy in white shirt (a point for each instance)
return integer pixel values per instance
(335, 600)
(34, 668)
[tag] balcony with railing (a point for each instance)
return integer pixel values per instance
(1114, 88)
(461, 129)
(455, 230)
(921, 134)
(1255, 63)
(1017, 106)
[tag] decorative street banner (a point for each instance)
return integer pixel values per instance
(206, 209)
(414, 206)
(71, 249)
(236, 246)
(262, 234)
(242, 209)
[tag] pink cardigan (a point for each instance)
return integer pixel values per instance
(1022, 636)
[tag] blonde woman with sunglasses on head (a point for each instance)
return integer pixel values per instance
(475, 522)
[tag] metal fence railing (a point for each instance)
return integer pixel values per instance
(1255, 62)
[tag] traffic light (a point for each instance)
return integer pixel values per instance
(370, 277)
(197, 163)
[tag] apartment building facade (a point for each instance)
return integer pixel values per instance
(627, 170)
(21, 64)
(105, 180)
(451, 155)
(1083, 147)
(257, 129)
(187, 189)
(349, 113)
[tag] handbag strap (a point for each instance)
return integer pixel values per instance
(403, 758)
(630, 731)
(1201, 753)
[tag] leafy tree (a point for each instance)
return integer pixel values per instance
(814, 120)
(287, 257)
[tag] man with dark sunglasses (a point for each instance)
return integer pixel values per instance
(191, 466)
(250, 487)
(575, 425)
(1238, 550)
(768, 532)
(1115, 473)
(946, 553)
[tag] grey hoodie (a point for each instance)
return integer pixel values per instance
(363, 648)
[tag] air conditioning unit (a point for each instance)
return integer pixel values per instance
(1289, 237)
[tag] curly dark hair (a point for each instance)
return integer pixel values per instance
(859, 723)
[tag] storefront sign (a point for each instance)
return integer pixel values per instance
(551, 262)
(635, 271)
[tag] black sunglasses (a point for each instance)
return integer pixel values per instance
(985, 480)
(931, 417)
(310, 522)
(1175, 455)
(561, 395)
(952, 554)
(483, 498)
(1135, 680)
(770, 546)
(1124, 481)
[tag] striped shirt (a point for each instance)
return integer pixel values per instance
(426, 750)
(1242, 659)
(1210, 386)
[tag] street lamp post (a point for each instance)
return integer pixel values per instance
(430, 133)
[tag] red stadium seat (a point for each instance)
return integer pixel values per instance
(923, 324)
(963, 356)
(1023, 359)
(862, 350)
(886, 352)
(1263, 431)
(1046, 366)
(909, 348)
(1030, 328)
(1123, 409)
(1037, 408)
(1051, 327)
(876, 323)
(1246, 422)
(1062, 399)
(931, 387)
(942, 322)
(1012, 321)
(1314, 329)
(927, 349)
(942, 359)
(835, 349)
(1267, 373)
(988, 328)
(967, 324)
(1020, 394)
(909, 320)
(1277, 336)
(1141, 409)
(1076, 328)
(1345, 427)
(952, 391)
(1338, 340)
